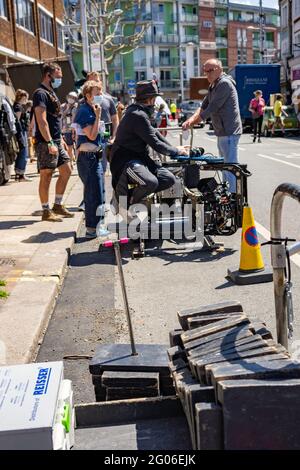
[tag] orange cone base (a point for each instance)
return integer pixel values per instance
(244, 278)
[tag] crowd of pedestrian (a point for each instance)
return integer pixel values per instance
(82, 130)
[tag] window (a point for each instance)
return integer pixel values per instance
(24, 14)
(140, 76)
(296, 9)
(3, 8)
(60, 36)
(46, 25)
(284, 16)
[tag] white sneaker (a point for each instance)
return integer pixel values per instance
(114, 204)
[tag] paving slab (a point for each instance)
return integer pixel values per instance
(33, 262)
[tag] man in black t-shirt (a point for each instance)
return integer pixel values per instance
(51, 150)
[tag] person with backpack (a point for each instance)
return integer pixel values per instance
(257, 107)
(51, 149)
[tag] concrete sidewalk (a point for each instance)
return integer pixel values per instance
(33, 261)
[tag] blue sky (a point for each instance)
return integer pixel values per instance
(266, 3)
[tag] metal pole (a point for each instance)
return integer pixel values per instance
(85, 37)
(180, 52)
(261, 33)
(279, 258)
(102, 55)
(125, 298)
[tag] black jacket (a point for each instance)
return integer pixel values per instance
(135, 135)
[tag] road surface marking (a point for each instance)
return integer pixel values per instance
(279, 161)
(288, 142)
(267, 235)
(242, 149)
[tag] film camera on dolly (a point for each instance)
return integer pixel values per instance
(198, 207)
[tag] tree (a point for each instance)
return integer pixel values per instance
(108, 28)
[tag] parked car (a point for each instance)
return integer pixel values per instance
(187, 109)
(291, 123)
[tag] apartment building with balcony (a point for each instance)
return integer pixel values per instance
(169, 50)
(238, 37)
(31, 30)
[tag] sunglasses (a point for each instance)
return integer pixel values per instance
(209, 71)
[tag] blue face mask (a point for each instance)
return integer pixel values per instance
(98, 99)
(56, 82)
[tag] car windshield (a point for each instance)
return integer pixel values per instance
(191, 105)
(291, 112)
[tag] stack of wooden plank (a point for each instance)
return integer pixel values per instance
(118, 375)
(239, 389)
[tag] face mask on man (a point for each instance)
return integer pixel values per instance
(56, 82)
(98, 100)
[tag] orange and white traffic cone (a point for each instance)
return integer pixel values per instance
(252, 269)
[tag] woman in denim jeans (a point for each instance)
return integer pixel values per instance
(88, 126)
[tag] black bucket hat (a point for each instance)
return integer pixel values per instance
(146, 89)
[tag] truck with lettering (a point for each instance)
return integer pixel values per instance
(252, 77)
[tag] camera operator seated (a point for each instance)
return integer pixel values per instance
(131, 164)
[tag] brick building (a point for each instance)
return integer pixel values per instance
(230, 32)
(31, 30)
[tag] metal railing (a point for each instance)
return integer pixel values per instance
(189, 18)
(279, 252)
(140, 63)
(165, 62)
(190, 38)
(221, 41)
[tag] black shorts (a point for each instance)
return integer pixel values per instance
(68, 136)
(46, 161)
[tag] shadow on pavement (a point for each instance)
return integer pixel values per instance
(16, 224)
(48, 237)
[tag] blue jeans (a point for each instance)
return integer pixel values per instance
(91, 174)
(21, 160)
(228, 149)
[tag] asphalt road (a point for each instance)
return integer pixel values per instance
(90, 308)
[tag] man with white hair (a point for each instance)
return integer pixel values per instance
(222, 106)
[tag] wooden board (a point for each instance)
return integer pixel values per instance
(226, 336)
(222, 307)
(267, 412)
(195, 322)
(209, 426)
(239, 320)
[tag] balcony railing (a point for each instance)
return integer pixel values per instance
(165, 62)
(189, 18)
(130, 16)
(186, 39)
(160, 17)
(161, 39)
(221, 41)
(220, 20)
(269, 45)
(173, 84)
(140, 63)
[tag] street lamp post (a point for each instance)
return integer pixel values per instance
(180, 52)
(261, 32)
(85, 37)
